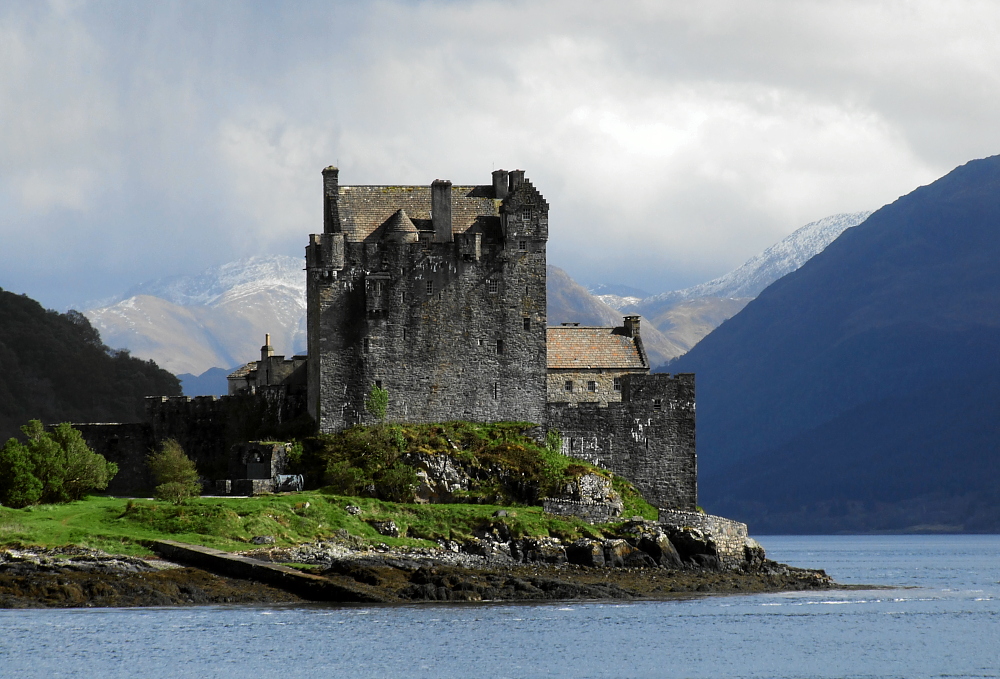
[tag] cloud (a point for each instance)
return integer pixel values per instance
(672, 140)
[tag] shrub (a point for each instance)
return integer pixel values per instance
(377, 402)
(51, 466)
(174, 472)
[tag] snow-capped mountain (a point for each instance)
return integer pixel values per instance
(218, 318)
(782, 258)
(685, 316)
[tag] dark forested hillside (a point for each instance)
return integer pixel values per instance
(54, 368)
(862, 392)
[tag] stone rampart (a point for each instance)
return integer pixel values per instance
(128, 446)
(648, 437)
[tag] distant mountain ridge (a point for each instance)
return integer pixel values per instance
(57, 369)
(860, 392)
(685, 316)
(216, 319)
(229, 281)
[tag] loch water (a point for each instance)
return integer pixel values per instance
(942, 619)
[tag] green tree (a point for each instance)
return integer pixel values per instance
(377, 402)
(175, 473)
(19, 487)
(51, 466)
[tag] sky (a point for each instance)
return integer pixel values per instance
(672, 140)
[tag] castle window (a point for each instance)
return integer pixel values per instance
(499, 346)
(368, 345)
(493, 286)
(618, 384)
(430, 287)
(522, 245)
(496, 390)
(480, 343)
(526, 214)
(527, 324)
(568, 385)
(405, 333)
(378, 384)
(657, 404)
(591, 386)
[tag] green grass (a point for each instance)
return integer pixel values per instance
(122, 526)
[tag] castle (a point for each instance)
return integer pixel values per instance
(437, 294)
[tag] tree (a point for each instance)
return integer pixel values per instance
(175, 473)
(377, 402)
(51, 466)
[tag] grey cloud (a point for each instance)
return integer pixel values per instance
(673, 140)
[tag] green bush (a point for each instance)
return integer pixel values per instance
(377, 402)
(174, 472)
(51, 466)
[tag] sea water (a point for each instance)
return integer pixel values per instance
(941, 619)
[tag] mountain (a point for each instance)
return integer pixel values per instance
(189, 324)
(685, 316)
(568, 301)
(57, 369)
(860, 392)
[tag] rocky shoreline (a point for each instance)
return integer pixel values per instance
(642, 564)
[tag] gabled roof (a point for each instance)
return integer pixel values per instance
(589, 347)
(363, 209)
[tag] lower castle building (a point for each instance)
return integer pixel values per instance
(438, 295)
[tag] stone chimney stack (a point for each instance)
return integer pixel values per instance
(516, 178)
(441, 210)
(500, 186)
(632, 326)
(267, 350)
(331, 196)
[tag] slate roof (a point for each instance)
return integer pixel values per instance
(589, 347)
(363, 209)
(242, 372)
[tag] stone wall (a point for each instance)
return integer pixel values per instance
(729, 537)
(128, 446)
(648, 437)
(591, 512)
(604, 393)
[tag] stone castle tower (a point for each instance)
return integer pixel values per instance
(434, 293)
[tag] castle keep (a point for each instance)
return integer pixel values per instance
(435, 293)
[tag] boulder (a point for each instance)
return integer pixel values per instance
(659, 547)
(586, 552)
(616, 552)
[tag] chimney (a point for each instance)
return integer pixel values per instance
(267, 350)
(500, 184)
(632, 326)
(516, 179)
(441, 210)
(331, 194)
